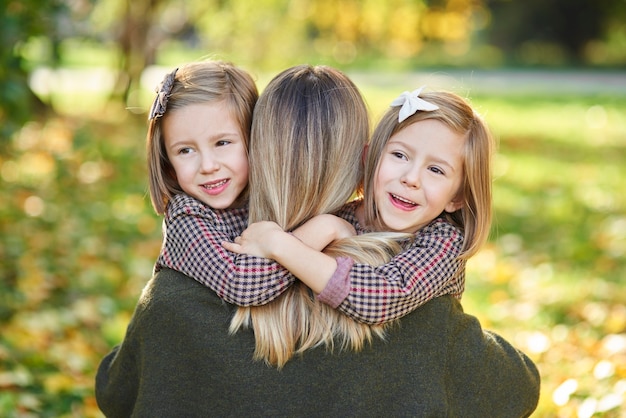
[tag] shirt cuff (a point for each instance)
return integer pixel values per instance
(338, 287)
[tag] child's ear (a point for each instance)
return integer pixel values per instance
(455, 204)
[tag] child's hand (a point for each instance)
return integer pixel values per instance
(261, 239)
(268, 240)
(321, 230)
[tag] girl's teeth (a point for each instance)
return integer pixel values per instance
(402, 199)
(213, 186)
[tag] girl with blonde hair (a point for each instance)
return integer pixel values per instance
(427, 174)
(197, 145)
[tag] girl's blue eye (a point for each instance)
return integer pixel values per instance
(398, 154)
(436, 170)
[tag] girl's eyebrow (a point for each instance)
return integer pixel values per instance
(212, 137)
(443, 162)
(410, 147)
(177, 142)
(396, 142)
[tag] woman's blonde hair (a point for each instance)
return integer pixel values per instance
(474, 217)
(197, 82)
(309, 130)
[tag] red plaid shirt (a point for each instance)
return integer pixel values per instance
(192, 244)
(429, 268)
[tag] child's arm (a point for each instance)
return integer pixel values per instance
(298, 252)
(192, 245)
(427, 269)
(323, 229)
(372, 294)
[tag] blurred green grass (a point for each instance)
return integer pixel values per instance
(552, 277)
(78, 239)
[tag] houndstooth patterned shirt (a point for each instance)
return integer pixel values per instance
(427, 269)
(193, 233)
(192, 244)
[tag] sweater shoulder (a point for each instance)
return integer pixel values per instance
(172, 290)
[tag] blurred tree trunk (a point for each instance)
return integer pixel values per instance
(138, 42)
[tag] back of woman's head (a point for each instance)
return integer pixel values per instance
(308, 133)
(474, 218)
(309, 130)
(193, 83)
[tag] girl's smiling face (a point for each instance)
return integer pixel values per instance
(419, 175)
(207, 151)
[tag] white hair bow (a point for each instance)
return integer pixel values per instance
(411, 103)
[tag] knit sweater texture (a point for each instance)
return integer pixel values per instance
(178, 360)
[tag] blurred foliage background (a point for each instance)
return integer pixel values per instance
(78, 237)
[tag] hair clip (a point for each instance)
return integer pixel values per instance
(163, 91)
(411, 103)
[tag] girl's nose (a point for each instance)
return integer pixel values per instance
(411, 178)
(209, 164)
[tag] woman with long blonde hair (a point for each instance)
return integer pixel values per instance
(317, 116)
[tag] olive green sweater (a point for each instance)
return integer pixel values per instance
(178, 360)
